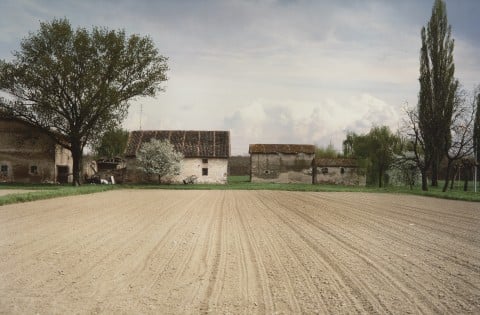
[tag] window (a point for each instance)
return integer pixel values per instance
(204, 171)
(205, 161)
(324, 170)
(4, 169)
(342, 170)
(33, 169)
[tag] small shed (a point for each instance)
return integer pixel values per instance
(338, 171)
(281, 163)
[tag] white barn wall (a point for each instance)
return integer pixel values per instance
(217, 171)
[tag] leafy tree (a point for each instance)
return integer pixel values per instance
(437, 86)
(158, 157)
(377, 147)
(76, 84)
(348, 144)
(327, 152)
(112, 143)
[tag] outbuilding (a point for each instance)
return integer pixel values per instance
(281, 163)
(338, 171)
(30, 155)
(205, 154)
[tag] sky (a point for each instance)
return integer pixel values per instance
(270, 71)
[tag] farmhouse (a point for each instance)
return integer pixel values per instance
(338, 171)
(30, 155)
(205, 154)
(281, 163)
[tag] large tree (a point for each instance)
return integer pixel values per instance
(438, 86)
(76, 83)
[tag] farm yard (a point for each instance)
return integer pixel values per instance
(247, 252)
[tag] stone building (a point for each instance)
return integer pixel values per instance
(338, 171)
(30, 155)
(205, 154)
(281, 163)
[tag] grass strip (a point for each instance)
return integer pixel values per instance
(48, 192)
(235, 183)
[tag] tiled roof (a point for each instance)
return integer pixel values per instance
(337, 162)
(204, 144)
(281, 148)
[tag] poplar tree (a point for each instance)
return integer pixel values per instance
(438, 87)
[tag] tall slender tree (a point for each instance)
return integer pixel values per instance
(438, 86)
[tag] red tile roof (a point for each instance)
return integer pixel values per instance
(281, 148)
(191, 143)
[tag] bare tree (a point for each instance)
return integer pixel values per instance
(415, 136)
(460, 143)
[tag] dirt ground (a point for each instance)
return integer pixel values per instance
(240, 252)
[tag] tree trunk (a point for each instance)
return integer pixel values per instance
(77, 163)
(466, 177)
(453, 177)
(447, 176)
(380, 175)
(435, 172)
(424, 180)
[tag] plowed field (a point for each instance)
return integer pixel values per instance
(247, 252)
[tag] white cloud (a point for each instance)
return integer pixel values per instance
(266, 121)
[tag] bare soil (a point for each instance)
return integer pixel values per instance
(240, 252)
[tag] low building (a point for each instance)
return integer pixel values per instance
(281, 163)
(338, 171)
(205, 154)
(29, 155)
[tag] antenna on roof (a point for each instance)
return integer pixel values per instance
(141, 113)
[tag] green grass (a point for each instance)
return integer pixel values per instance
(234, 183)
(48, 191)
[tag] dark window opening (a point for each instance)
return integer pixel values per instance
(4, 169)
(204, 171)
(342, 170)
(33, 169)
(324, 170)
(204, 161)
(267, 172)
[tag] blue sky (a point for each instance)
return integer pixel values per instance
(271, 71)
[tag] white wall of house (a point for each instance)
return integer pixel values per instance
(217, 169)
